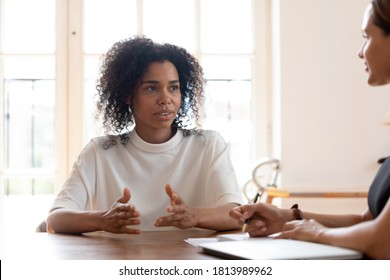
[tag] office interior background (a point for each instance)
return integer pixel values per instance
(284, 81)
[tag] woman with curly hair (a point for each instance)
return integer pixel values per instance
(369, 232)
(150, 100)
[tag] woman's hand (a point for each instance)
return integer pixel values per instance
(181, 216)
(264, 219)
(121, 215)
(307, 230)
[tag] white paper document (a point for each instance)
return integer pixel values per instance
(196, 242)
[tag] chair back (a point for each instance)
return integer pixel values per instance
(264, 176)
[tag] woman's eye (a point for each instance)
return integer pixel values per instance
(174, 88)
(151, 89)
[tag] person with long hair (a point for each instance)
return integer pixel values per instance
(369, 232)
(155, 169)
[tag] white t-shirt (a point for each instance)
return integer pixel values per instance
(198, 167)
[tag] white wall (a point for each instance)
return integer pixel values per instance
(331, 131)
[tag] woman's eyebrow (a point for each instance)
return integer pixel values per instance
(157, 82)
(150, 82)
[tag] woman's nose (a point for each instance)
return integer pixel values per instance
(165, 97)
(360, 51)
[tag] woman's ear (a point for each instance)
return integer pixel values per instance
(128, 101)
(131, 96)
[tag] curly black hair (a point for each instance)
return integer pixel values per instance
(121, 71)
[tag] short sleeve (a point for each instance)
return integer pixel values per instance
(221, 178)
(77, 191)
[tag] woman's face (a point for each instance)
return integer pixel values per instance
(375, 51)
(156, 102)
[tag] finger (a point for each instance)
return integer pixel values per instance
(120, 214)
(128, 222)
(171, 210)
(177, 209)
(131, 210)
(285, 235)
(165, 220)
(162, 222)
(170, 220)
(259, 208)
(290, 225)
(175, 198)
(235, 213)
(127, 209)
(128, 230)
(242, 214)
(257, 223)
(252, 208)
(127, 214)
(169, 191)
(256, 226)
(257, 232)
(126, 195)
(123, 225)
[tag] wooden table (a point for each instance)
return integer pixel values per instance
(157, 245)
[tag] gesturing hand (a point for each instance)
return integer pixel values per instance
(181, 216)
(121, 215)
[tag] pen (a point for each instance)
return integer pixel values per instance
(245, 225)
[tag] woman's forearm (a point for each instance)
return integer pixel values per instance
(365, 237)
(71, 221)
(216, 218)
(335, 220)
(370, 237)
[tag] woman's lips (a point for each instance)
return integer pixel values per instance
(366, 67)
(164, 115)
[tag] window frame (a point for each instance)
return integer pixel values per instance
(69, 83)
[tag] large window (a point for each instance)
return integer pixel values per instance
(28, 161)
(49, 59)
(225, 46)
